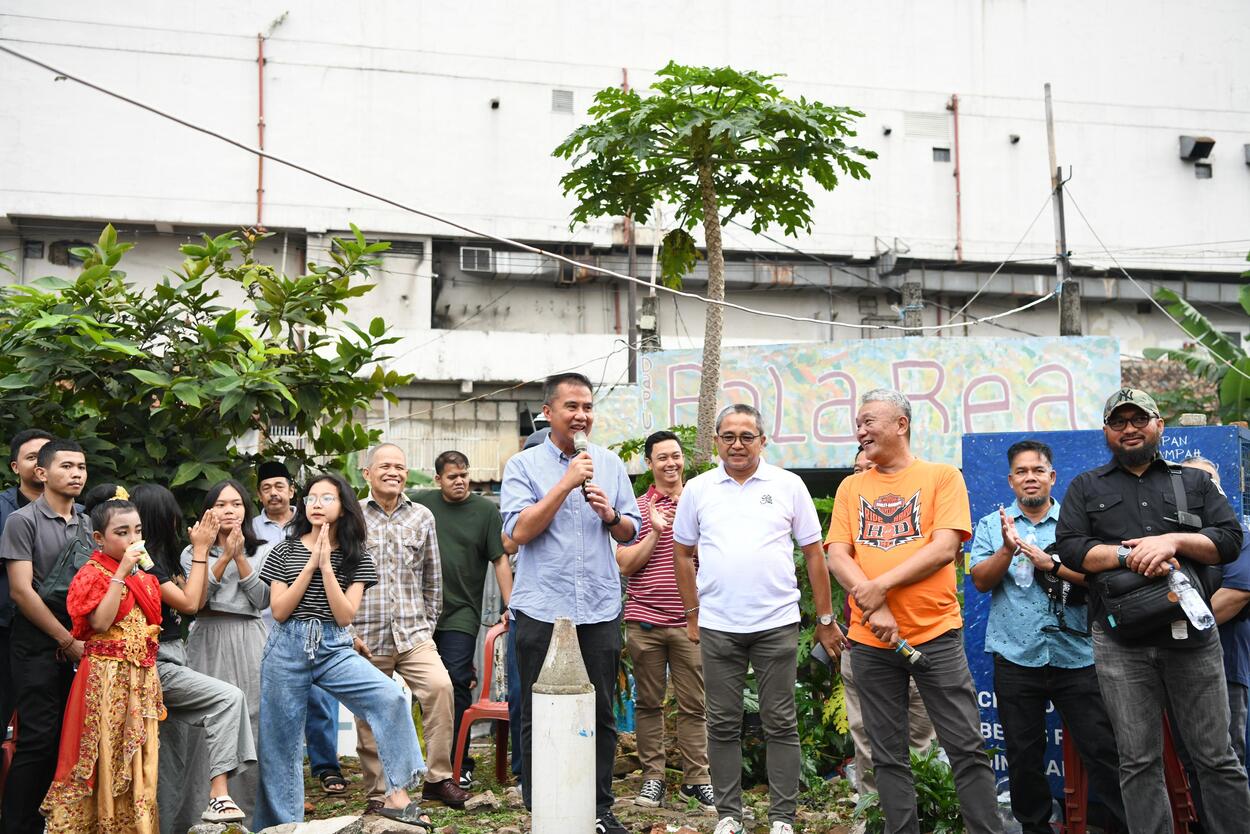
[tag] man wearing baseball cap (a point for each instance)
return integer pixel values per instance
(1137, 513)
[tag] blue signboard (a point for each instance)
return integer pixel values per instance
(985, 471)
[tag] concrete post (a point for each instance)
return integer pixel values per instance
(913, 305)
(563, 738)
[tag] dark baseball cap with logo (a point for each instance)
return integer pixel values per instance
(1130, 396)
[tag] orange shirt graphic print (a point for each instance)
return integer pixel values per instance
(889, 521)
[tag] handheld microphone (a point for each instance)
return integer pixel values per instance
(579, 446)
(912, 655)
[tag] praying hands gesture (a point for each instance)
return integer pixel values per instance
(321, 551)
(234, 544)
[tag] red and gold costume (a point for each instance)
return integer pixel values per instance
(106, 772)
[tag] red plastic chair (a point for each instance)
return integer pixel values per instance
(487, 710)
(1076, 786)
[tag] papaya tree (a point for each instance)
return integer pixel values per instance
(716, 144)
(165, 383)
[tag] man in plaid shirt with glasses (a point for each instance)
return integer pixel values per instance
(396, 620)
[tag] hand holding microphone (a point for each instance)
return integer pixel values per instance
(580, 444)
(583, 468)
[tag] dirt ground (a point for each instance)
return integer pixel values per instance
(825, 811)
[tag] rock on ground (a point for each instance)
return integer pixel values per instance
(483, 801)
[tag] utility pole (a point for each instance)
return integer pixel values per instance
(649, 320)
(913, 305)
(1069, 290)
(631, 242)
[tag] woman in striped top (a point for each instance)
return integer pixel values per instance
(316, 580)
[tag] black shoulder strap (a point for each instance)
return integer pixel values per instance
(1178, 488)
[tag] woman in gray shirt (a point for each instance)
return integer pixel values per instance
(228, 637)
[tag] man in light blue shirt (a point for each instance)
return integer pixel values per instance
(1041, 649)
(567, 510)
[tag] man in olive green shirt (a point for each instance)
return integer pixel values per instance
(468, 528)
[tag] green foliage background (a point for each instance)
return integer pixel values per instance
(160, 384)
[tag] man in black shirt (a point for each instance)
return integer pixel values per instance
(1124, 515)
(23, 456)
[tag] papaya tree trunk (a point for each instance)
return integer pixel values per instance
(709, 384)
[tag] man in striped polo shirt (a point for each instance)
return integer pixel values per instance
(655, 634)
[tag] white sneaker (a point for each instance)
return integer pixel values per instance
(727, 825)
(780, 827)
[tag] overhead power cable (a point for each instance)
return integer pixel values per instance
(1149, 295)
(525, 247)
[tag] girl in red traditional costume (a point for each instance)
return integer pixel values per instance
(106, 773)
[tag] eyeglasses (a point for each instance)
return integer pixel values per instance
(1139, 421)
(745, 439)
(326, 500)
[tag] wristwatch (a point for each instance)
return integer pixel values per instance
(825, 619)
(1121, 553)
(616, 519)
(1054, 569)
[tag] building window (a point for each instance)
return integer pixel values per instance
(407, 248)
(941, 154)
(561, 101)
(1202, 170)
(475, 259)
(59, 252)
(32, 250)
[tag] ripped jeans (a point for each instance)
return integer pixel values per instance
(298, 654)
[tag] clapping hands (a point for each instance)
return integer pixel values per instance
(203, 533)
(662, 517)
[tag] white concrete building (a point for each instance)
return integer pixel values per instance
(455, 108)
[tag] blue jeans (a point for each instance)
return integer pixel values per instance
(321, 732)
(1138, 683)
(299, 654)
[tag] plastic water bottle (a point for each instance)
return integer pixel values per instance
(1022, 570)
(1022, 565)
(1191, 601)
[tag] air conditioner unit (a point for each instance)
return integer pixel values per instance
(476, 259)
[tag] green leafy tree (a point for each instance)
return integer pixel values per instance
(1213, 356)
(636, 446)
(717, 144)
(161, 384)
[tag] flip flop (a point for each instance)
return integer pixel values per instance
(411, 814)
(333, 783)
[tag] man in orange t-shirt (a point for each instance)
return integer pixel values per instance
(893, 539)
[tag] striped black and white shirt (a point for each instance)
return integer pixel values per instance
(289, 556)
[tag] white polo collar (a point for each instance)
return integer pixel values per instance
(764, 472)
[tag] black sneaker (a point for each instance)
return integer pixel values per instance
(701, 794)
(651, 794)
(466, 779)
(607, 823)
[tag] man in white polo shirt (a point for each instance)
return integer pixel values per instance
(742, 519)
